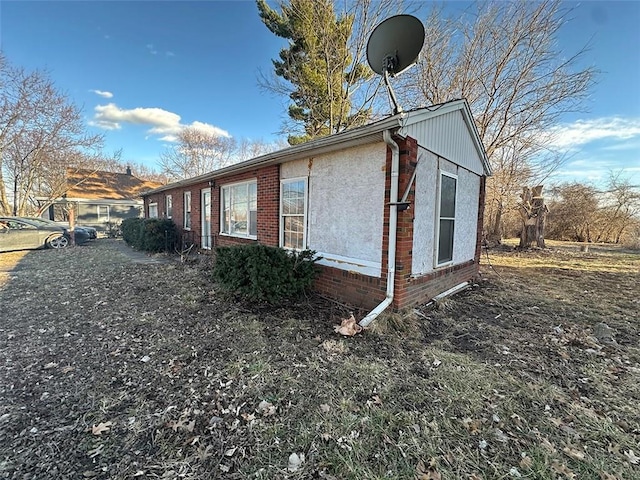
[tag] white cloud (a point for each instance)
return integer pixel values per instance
(169, 53)
(162, 123)
(582, 132)
(151, 49)
(102, 93)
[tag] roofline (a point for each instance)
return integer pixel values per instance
(371, 133)
(366, 134)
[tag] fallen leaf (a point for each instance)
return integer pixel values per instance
(349, 327)
(50, 365)
(562, 469)
(325, 408)
(473, 425)
(266, 408)
(573, 453)
(514, 472)
(526, 461)
(427, 472)
(295, 462)
(96, 451)
(632, 457)
(230, 452)
(607, 476)
(101, 427)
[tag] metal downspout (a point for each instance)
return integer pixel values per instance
(393, 224)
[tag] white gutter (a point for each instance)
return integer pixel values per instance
(393, 224)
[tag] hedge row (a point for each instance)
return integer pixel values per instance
(150, 234)
(259, 272)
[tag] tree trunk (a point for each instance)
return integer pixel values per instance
(533, 212)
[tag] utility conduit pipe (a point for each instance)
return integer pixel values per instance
(393, 226)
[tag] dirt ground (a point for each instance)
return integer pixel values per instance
(127, 366)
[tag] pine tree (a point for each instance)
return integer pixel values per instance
(317, 65)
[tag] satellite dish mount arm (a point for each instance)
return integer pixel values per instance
(389, 65)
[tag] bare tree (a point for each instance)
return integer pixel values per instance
(502, 57)
(197, 152)
(574, 212)
(621, 208)
(39, 130)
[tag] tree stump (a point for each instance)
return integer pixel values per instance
(533, 212)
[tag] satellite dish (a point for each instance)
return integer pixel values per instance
(394, 46)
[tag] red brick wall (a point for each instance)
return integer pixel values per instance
(359, 290)
(268, 191)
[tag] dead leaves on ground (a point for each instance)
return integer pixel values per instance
(427, 471)
(101, 428)
(348, 327)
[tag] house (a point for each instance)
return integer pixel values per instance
(394, 208)
(101, 198)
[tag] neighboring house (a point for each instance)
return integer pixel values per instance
(399, 199)
(101, 198)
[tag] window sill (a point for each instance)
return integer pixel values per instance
(235, 235)
(443, 265)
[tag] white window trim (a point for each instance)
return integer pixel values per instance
(108, 216)
(436, 244)
(235, 184)
(305, 215)
(203, 214)
(168, 199)
(186, 213)
(153, 204)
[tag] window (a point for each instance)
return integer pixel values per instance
(187, 211)
(103, 213)
(168, 200)
(446, 217)
(293, 213)
(153, 210)
(239, 209)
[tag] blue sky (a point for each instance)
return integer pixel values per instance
(142, 70)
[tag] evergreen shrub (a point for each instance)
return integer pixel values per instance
(131, 231)
(260, 272)
(150, 234)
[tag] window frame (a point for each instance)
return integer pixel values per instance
(439, 218)
(153, 205)
(304, 215)
(108, 215)
(228, 188)
(168, 206)
(186, 217)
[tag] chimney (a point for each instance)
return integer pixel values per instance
(128, 170)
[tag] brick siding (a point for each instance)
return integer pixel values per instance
(359, 290)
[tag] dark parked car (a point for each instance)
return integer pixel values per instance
(20, 234)
(91, 232)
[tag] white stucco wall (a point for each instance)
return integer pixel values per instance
(426, 197)
(345, 206)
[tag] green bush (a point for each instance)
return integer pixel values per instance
(132, 231)
(259, 272)
(150, 234)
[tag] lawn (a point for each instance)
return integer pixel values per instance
(117, 370)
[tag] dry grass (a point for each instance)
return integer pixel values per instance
(505, 380)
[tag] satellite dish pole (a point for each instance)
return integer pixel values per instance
(389, 65)
(394, 46)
